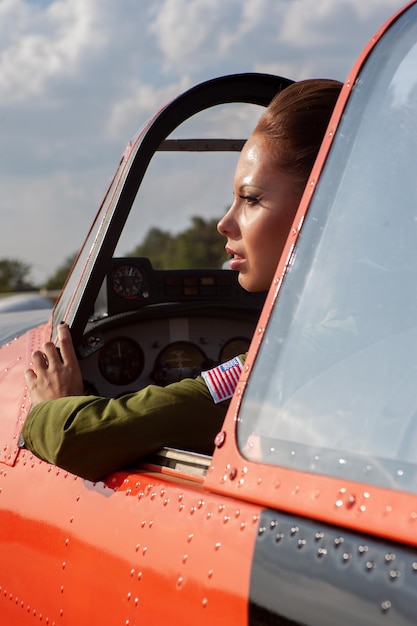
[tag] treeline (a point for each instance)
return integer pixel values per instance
(198, 246)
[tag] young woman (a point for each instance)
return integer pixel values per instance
(92, 436)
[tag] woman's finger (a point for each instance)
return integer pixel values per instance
(66, 346)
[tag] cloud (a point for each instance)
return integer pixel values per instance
(78, 78)
(38, 45)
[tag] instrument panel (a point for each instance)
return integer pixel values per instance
(132, 355)
(163, 326)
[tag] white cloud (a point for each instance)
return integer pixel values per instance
(37, 45)
(142, 102)
(79, 77)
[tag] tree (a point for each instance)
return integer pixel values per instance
(159, 246)
(14, 275)
(57, 280)
(199, 246)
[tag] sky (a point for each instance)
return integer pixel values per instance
(79, 78)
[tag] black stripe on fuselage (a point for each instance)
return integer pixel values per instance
(308, 574)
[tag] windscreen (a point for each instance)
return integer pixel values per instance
(334, 386)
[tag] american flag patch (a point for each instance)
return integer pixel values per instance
(222, 380)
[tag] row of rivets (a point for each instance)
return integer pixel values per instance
(394, 574)
(28, 608)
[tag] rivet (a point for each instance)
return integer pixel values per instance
(338, 541)
(363, 549)
(321, 552)
(210, 573)
(294, 530)
(218, 545)
(370, 565)
(318, 536)
(205, 602)
(279, 537)
(301, 543)
(389, 557)
(385, 606)
(261, 530)
(220, 439)
(394, 574)
(346, 557)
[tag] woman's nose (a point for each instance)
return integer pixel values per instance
(227, 224)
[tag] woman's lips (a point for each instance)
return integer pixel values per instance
(236, 261)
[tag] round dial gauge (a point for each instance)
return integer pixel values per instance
(234, 347)
(128, 281)
(179, 360)
(120, 361)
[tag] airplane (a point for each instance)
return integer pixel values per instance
(306, 513)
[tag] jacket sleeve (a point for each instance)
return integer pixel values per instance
(92, 436)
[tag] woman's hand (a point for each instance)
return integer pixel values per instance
(53, 375)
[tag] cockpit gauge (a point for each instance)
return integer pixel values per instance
(178, 360)
(121, 361)
(233, 347)
(128, 281)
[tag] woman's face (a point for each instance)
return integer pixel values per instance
(257, 224)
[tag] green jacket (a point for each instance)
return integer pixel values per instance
(93, 436)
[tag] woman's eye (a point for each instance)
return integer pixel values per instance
(250, 199)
